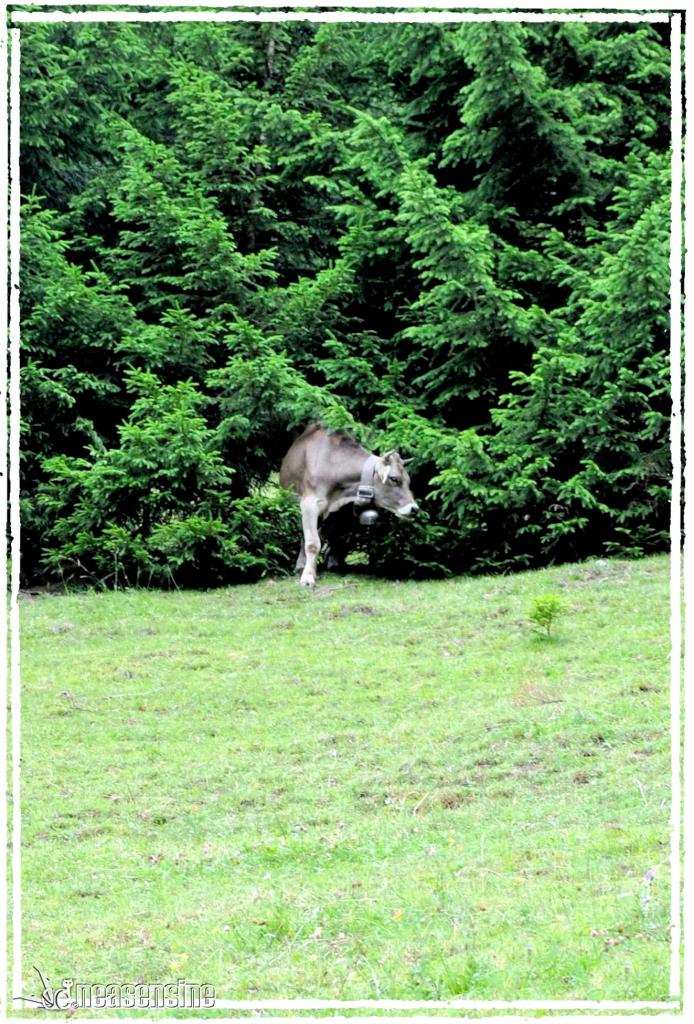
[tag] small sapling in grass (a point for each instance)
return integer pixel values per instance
(544, 613)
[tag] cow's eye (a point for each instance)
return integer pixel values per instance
(395, 480)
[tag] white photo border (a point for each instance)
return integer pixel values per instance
(359, 11)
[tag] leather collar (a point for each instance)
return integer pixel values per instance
(365, 491)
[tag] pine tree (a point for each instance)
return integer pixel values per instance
(447, 239)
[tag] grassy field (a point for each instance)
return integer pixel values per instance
(371, 790)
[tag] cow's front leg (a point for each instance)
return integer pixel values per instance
(309, 521)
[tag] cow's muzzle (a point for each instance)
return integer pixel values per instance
(407, 510)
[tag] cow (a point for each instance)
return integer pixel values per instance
(328, 470)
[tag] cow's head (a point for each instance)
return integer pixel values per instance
(392, 485)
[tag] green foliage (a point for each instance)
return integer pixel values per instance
(545, 611)
(158, 507)
(452, 240)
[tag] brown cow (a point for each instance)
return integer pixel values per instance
(328, 470)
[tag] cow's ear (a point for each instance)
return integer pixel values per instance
(382, 469)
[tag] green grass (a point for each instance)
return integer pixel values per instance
(372, 790)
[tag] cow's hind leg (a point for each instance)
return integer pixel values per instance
(301, 557)
(309, 521)
(335, 545)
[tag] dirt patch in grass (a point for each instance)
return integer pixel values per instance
(354, 609)
(531, 692)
